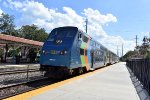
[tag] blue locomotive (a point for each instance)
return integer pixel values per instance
(69, 50)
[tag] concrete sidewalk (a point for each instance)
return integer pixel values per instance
(112, 83)
(11, 67)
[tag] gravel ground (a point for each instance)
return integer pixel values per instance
(13, 90)
(14, 79)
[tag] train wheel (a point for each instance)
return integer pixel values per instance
(80, 70)
(71, 72)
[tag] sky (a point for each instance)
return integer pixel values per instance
(111, 22)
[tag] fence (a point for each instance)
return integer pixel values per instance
(141, 69)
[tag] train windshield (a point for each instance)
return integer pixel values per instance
(62, 33)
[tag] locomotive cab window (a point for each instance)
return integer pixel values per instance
(85, 39)
(69, 34)
(62, 33)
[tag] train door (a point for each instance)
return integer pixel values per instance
(92, 60)
(104, 60)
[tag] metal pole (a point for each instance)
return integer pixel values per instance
(117, 51)
(28, 73)
(86, 24)
(136, 40)
(122, 49)
(149, 38)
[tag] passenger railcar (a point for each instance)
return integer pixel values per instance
(69, 50)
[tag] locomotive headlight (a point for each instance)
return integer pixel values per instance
(63, 52)
(43, 51)
(58, 41)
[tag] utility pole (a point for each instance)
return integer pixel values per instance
(86, 21)
(149, 38)
(117, 51)
(136, 40)
(122, 49)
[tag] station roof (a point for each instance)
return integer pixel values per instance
(17, 40)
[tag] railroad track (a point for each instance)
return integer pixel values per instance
(23, 87)
(18, 71)
(15, 81)
(13, 90)
(8, 77)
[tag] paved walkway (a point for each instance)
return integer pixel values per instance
(17, 66)
(111, 83)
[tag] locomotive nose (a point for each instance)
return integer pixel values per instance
(55, 57)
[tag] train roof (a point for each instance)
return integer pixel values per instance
(67, 27)
(86, 35)
(96, 41)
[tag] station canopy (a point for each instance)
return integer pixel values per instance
(12, 40)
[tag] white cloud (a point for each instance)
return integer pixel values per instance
(36, 13)
(96, 16)
(13, 4)
(113, 41)
(145, 33)
(1, 11)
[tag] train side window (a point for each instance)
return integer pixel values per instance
(81, 51)
(69, 34)
(78, 35)
(92, 43)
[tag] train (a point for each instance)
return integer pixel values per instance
(68, 51)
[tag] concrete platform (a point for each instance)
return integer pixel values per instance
(7, 66)
(112, 83)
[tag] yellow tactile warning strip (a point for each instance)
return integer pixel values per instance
(27, 95)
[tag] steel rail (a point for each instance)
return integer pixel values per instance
(23, 91)
(18, 71)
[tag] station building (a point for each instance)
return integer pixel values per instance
(13, 48)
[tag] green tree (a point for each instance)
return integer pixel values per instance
(128, 55)
(7, 24)
(33, 32)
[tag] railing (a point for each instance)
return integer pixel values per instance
(141, 69)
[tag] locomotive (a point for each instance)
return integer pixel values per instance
(68, 51)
